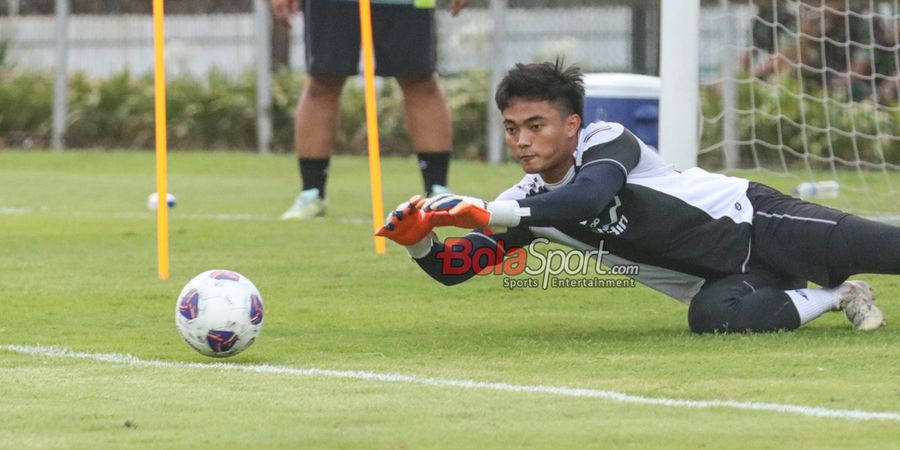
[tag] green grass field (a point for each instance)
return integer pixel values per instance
(78, 271)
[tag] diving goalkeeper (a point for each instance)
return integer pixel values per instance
(739, 253)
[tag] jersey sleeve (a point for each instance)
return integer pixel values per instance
(592, 190)
(610, 143)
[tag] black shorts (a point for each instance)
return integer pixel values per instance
(404, 38)
(793, 237)
(817, 243)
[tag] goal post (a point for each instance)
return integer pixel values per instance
(679, 48)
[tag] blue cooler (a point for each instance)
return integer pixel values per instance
(629, 99)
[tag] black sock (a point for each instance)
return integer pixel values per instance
(434, 168)
(314, 173)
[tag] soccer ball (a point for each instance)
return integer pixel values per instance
(219, 313)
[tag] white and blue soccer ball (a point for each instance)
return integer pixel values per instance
(219, 313)
(153, 201)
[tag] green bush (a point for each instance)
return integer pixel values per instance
(215, 112)
(26, 99)
(789, 122)
(219, 112)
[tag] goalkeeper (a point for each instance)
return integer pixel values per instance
(739, 253)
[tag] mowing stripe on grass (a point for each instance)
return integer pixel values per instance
(851, 414)
(219, 217)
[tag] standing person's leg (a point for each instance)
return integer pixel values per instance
(331, 37)
(315, 126)
(428, 123)
(406, 48)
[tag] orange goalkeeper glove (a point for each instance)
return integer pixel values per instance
(456, 210)
(407, 225)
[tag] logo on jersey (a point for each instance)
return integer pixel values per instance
(613, 223)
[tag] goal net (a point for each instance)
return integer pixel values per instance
(804, 95)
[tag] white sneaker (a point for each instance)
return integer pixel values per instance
(307, 205)
(857, 304)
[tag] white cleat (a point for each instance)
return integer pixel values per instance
(858, 305)
(307, 205)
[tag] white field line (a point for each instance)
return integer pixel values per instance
(849, 414)
(15, 211)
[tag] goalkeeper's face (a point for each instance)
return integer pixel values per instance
(541, 137)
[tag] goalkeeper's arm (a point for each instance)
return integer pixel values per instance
(457, 260)
(592, 190)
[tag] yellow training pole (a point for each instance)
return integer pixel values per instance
(159, 85)
(365, 27)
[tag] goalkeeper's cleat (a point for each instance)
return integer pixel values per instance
(307, 205)
(858, 305)
(437, 189)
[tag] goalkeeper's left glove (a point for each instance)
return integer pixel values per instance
(406, 224)
(470, 212)
(409, 227)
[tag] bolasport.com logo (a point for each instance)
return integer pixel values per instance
(538, 266)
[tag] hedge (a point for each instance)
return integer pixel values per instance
(215, 112)
(218, 112)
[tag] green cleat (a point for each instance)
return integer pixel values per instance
(437, 189)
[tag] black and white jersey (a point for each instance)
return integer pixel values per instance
(680, 227)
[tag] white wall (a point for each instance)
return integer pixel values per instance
(598, 38)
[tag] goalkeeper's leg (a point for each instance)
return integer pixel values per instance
(818, 243)
(759, 301)
(754, 301)
(860, 245)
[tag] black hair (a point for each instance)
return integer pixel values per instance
(545, 81)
